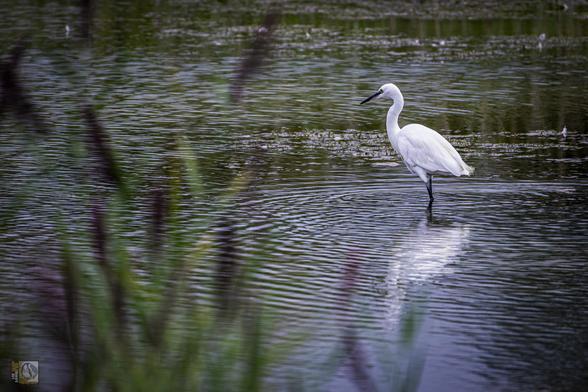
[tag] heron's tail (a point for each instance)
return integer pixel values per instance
(468, 170)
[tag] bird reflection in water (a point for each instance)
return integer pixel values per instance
(420, 257)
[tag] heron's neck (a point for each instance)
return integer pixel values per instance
(392, 127)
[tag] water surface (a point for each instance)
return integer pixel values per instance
(494, 276)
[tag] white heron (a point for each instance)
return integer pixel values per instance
(424, 151)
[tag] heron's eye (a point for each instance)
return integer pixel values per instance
(380, 91)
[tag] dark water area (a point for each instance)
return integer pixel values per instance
(491, 284)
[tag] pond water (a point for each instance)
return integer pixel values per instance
(494, 278)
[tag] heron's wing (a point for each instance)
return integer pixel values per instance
(424, 147)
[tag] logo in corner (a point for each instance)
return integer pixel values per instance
(25, 372)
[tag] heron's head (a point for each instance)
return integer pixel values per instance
(388, 90)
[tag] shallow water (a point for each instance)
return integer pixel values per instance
(495, 274)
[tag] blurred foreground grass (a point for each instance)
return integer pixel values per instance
(120, 319)
(119, 303)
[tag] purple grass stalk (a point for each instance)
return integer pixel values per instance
(160, 209)
(71, 291)
(70, 288)
(357, 361)
(12, 96)
(350, 274)
(227, 265)
(259, 50)
(352, 347)
(48, 286)
(86, 18)
(99, 232)
(99, 141)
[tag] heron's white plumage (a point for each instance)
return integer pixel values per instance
(424, 151)
(423, 147)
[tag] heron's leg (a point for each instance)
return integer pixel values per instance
(430, 188)
(426, 178)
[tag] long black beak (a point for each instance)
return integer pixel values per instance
(371, 97)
